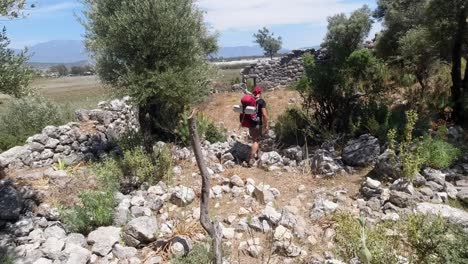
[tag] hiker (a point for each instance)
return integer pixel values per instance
(261, 128)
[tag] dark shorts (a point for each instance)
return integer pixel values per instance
(255, 133)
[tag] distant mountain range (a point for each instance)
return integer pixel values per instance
(74, 51)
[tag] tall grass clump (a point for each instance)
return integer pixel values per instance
(25, 117)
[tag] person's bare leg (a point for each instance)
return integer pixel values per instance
(254, 150)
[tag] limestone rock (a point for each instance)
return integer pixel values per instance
(454, 215)
(11, 202)
(103, 239)
(142, 229)
(362, 151)
(182, 196)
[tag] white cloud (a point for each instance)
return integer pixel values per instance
(252, 14)
(47, 9)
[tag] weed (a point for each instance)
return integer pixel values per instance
(60, 165)
(410, 157)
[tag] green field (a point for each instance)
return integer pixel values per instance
(73, 93)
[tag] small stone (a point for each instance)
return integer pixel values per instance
(282, 234)
(426, 191)
(103, 239)
(182, 196)
(301, 188)
(52, 247)
(122, 252)
(237, 181)
(55, 231)
(142, 229)
(373, 184)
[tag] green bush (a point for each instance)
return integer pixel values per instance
(109, 174)
(207, 130)
(94, 210)
(382, 246)
(293, 127)
(434, 240)
(25, 117)
(138, 164)
(420, 238)
(438, 153)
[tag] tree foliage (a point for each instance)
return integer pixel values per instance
(12, 8)
(15, 75)
(340, 87)
(419, 33)
(269, 43)
(154, 51)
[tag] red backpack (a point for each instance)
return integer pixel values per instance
(249, 120)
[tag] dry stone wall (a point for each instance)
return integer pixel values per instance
(279, 71)
(89, 138)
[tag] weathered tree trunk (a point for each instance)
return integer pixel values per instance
(456, 67)
(144, 118)
(212, 227)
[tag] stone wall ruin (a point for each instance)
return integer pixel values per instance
(89, 138)
(278, 71)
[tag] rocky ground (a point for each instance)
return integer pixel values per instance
(276, 212)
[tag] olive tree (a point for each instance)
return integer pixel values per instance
(155, 51)
(424, 31)
(269, 43)
(15, 74)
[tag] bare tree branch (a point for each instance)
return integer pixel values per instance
(212, 227)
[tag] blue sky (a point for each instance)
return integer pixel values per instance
(301, 23)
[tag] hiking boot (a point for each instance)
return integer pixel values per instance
(251, 163)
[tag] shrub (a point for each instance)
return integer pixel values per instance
(207, 130)
(94, 210)
(294, 127)
(382, 246)
(26, 117)
(438, 153)
(420, 238)
(109, 174)
(434, 240)
(138, 164)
